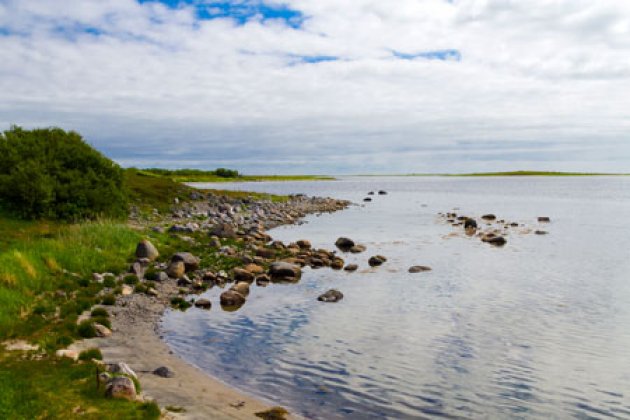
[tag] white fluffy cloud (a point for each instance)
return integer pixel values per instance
(540, 84)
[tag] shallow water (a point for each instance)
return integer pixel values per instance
(538, 328)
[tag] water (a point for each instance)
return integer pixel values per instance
(537, 329)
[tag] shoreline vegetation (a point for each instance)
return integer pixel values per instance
(224, 175)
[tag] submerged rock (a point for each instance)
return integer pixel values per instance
(333, 295)
(544, 219)
(419, 269)
(489, 217)
(351, 267)
(494, 240)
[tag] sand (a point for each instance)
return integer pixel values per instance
(135, 341)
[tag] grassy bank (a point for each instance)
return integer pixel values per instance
(186, 175)
(534, 173)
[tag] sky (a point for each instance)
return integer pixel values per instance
(326, 86)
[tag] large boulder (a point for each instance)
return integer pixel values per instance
(281, 270)
(344, 244)
(191, 262)
(146, 249)
(232, 298)
(304, 244)
(470, 224)
(121, 387)
(332, 295)
(224, 230)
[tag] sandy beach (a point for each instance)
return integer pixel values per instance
(135, 341)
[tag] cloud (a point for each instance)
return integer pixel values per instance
(326, 86)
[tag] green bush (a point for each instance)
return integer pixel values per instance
(54, 174)
(102, 320)
(131, 279)
(109, 281)
(109, 300)
(100, 312)
(86, 329)
(90, 354)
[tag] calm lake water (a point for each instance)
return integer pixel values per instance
(539, 328)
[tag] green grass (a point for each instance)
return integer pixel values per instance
(251, 195)
(252, 178)
(148, 191)
(33, 265)
(60, 389)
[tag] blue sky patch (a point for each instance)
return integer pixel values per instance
(312, 59)
(240, 11)
(443, 55)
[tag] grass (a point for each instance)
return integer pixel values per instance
(148, 191)
(252, 178)
(60, 389)
(32, 265)
(251, 195)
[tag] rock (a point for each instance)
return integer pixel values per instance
(495, 240)
(102, 330)
(371, 193)
(376, 260)
(344, 244)
(122, 368)
(274, 413)
(254, 268)
(243, 275)
(232, 298)
(281, 270)
(304, 244)
(241, 287)
(541, 232)
(20, 345)
(161, 276)
(265, 252)
(337, 264)
(152, 292)
(176, 269)
(367, 199)
(351, 267)
(358, 249)
(470, 224)
(203, 303)
(138, 269)
(191, 262)
(215, 242)
(224, 230)
(381, 192)
(544, 219)
(164, 372)
(126, 290)
(332, 295)
(121, 387)
(99, 278)
(71, 354)
(146, 249)
(263, 280)
(419, 269)
(489, 217)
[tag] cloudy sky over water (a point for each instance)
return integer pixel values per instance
(326, 86)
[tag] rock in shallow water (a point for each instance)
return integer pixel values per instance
(419, 269)
(203, 304)
(332, 295)
(376, 260)
(164, 372)
(232, 298)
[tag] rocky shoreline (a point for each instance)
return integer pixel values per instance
(207, 230)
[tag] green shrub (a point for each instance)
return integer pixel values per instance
(131, 279)
(86, 329)
(180, 303)
(54, 174)
(109, 281)
(103, 321)
(100, 312)
(109, 300)
(151, 274)
(90, 354)
(141, 288)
